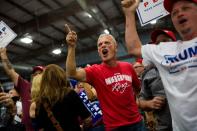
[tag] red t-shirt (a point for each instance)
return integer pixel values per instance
(114, 86)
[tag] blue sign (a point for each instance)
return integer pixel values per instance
(73, 83)
(93, 107)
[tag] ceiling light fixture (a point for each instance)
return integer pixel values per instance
(153, 22)
(95, 10)
(26, 40)
(57, 51)
(89, 15)
(106, 31)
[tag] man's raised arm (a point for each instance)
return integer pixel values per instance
(133, 42)
(71, 70)
(8, 66)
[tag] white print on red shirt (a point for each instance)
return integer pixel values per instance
(120, 82)
(120, 87)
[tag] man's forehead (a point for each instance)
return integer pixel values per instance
(169, 4)
(104, 37)
(181, 2)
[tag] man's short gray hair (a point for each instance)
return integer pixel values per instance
(113, 39)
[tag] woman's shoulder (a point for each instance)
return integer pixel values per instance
(70, 94)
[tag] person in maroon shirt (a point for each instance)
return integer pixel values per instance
(22, 86)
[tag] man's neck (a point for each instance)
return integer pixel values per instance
(111, 63)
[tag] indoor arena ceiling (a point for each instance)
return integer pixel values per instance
(43, 21)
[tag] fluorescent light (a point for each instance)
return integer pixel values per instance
(86, 14)
(94, 10)
(153, 22)
(106, 31)
(57, 51)
(90, 16)
(26, 40)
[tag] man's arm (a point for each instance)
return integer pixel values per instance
(71, 70)
(156, 103)
(8, 66)
(133, 42)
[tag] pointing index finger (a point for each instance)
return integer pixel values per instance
(67, 28)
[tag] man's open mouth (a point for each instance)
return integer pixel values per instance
(182, 21)
(104, 51)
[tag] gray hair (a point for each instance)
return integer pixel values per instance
(103, 35)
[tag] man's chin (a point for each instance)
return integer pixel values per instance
(186, 31)
(188, 34)
(105, 59)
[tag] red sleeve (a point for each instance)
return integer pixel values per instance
(135, 82)
(90, 74)
(22, 86)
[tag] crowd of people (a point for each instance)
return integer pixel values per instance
(159, 87)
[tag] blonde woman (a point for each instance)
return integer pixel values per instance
(34, 93)
(64, 103)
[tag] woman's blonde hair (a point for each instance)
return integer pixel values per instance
(35, 87)
(53, 87)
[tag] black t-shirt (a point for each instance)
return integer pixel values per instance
(66, 112)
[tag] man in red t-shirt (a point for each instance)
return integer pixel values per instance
(114, 81)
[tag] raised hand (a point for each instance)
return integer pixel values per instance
(6, 99)
(71, 37)
(130, 5)
(3, 51)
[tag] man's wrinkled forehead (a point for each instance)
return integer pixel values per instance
(169, 4)
(103, 37)
(182, 2)
(106, 37)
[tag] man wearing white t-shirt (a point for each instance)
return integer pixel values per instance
(176, 61)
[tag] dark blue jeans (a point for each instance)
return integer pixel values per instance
(133, 127)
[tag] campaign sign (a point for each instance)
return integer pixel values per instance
(73, 83)
(6, 34)
(150, 10)
(93, 107)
